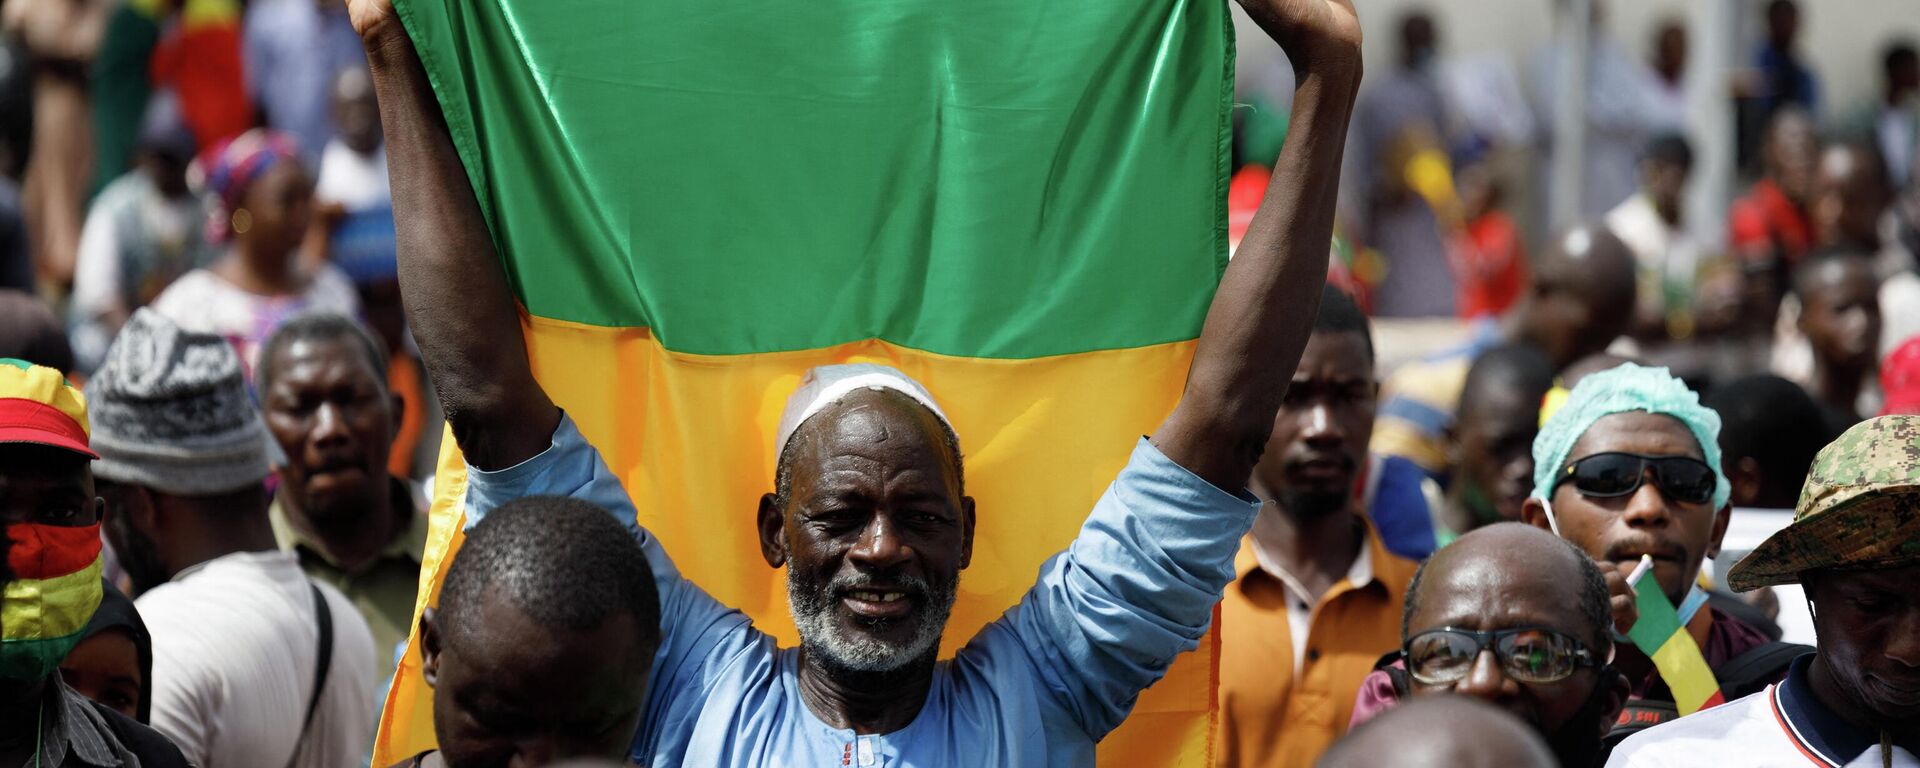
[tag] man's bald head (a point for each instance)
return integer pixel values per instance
(1581, 284)
(1442, 732)
(1507, 578)
(1850, 191)
(1490, 562)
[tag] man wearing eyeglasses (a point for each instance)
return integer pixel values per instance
(1629, 467)
(1513, 616)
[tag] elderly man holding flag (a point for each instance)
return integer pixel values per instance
(869, 514)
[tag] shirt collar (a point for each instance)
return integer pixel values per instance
(1813, 726)
(1254, 557)
(407, 546)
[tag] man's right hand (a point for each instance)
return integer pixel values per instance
(1621, 597)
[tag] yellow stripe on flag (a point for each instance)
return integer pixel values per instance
(1686, 672)
(690, 436)
(37, 609)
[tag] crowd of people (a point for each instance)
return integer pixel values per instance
(213, 408)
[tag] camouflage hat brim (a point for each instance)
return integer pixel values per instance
(1879, 529)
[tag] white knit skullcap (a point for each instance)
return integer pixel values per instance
(828, 384)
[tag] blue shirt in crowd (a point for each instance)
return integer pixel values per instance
(1038, 687)
(294, 50)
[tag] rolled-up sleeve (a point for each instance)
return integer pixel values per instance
(1135, 589)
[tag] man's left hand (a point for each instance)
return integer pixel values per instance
(1317, 35)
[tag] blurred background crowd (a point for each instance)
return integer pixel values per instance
(1729, 145)
(1534, 190)
(131, 175)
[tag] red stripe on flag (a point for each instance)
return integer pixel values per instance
(42, 551)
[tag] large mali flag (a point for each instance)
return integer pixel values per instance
(1018, 202)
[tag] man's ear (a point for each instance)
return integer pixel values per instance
(966, 531)
(430, 646)
(1618, 689)
(1534, 512)
(399, 413)
(138, 509)
(1745, 478)
(1720, 520)
(772, 522)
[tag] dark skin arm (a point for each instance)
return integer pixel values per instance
(456, 294)
(1263, 311)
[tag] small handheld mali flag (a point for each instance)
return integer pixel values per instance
(1659, 634)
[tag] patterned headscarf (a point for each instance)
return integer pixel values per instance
(228, 169)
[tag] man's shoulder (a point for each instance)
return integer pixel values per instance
(142, 742)
(1717, 735)
(121, 192)
(238, 584)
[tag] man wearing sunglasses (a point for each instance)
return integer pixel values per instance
(1513, 616)
(1629, 467)
(1855, 546)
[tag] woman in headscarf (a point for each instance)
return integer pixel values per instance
(262, 201)
(113, 663)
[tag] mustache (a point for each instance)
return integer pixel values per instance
(335, 463)
(1632, 548)
(914, 587)
(1341, 460)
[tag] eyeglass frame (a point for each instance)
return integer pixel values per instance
(1484, 643)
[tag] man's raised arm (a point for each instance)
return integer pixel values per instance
(1263, 311)
(458, 303)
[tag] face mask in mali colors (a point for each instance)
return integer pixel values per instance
(53, 594)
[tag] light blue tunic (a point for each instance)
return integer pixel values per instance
(1037, 687)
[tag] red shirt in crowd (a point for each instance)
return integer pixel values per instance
(1765, 224)
(1489, 266)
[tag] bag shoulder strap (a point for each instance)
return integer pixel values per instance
(1759, 666)
(323, 615)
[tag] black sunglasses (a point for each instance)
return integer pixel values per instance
(1527, 654)
(1609, 475)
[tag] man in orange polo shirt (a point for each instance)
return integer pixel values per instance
(1317, 596)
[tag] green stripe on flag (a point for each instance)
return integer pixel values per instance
(996, 178)
(1658, 619)
(1659, 634)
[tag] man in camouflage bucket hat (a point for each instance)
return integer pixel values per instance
(1854, 545)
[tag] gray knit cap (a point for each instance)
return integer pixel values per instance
(171, 412)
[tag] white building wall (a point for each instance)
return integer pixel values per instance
(1841, 39)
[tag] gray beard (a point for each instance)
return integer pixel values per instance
(822, 636)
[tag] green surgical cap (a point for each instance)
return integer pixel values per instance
(1622, 389)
